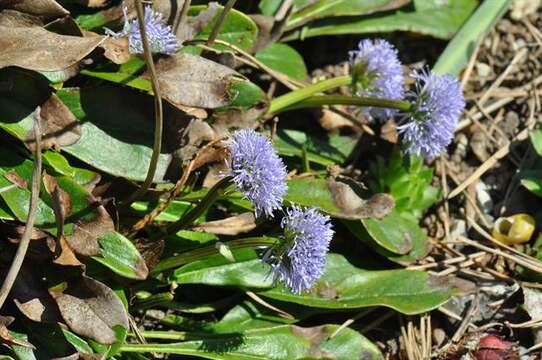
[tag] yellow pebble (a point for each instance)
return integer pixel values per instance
(515, 229)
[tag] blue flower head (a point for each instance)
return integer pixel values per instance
(377, 72)
(438, 102)
(257, 171)
(161, 39)
(299, 258)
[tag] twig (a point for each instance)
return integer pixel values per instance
(488, 164)
(220, 21)
(158, 109)
(181, 16)
(31, 216)
(264, 303)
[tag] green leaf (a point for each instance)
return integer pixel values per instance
(244, 94)
(269, 7)
(114, 122)
(533, 184)
(296, 143)
(284, 58)
(58, 163)
(408, 180)
(441, 23)
(278, 343)
(237, 29)
(328, 8)
(536, 141)
(21, 352)
(121, 256)
(396, 237)
(217, 270)
(342, 286)
(246, 316)
(458, 52)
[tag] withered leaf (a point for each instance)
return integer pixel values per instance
(91, 309)
(191, 80)
(32, 298)
(84, 239)
(353, 206)
(233, 225)
(315, 335)
(116, 50)
(15, 179)
(42, 8)
(28, 45)
(5, 336)
(58, 125)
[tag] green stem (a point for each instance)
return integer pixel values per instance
(164, 335)
(321, 100)
(193, 255)
(212, 195)
(296, 96)
(153, 301)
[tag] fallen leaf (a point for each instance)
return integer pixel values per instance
(190, 80)
(492, 347)
(30, 295)
(116, 50)
(26, 44)
(59, 126)
(5, 336)
(91, 309)
(233, 225)
(43, 8)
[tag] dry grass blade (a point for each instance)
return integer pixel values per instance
(31, 216)
(488, 164)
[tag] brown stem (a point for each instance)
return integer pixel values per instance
(218, 25)
(31, 216)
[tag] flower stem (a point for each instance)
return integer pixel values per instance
(212, 195)
(296, 96)
(158, 109)
(196, 254)
(321, 100)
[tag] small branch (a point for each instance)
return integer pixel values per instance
(158, 108)
(220, 21)
(31, 216)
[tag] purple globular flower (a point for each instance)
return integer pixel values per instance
(161, 39)
(438, 102)
(377, 72)
(257, 171)
(299, 258)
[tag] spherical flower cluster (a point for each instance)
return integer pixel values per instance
(160, 38)
(438, 102)
(377, 72)
(257, 171)
(300, 257)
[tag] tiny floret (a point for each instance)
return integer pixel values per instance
(299, 258)
(257, 171)
(159, 35)
(437, 105)
(377, 72)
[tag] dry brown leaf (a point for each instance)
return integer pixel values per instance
(66, 256)
(116, 50)
(91, 309)
(225, 121)
(30, 295)
(59, 126)
(5, 336)
(84, 239)
(353, 206)
(26, 44)
(389, 133)
(42, 8)
(15, 179)
(230, 226)
(191, 80)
